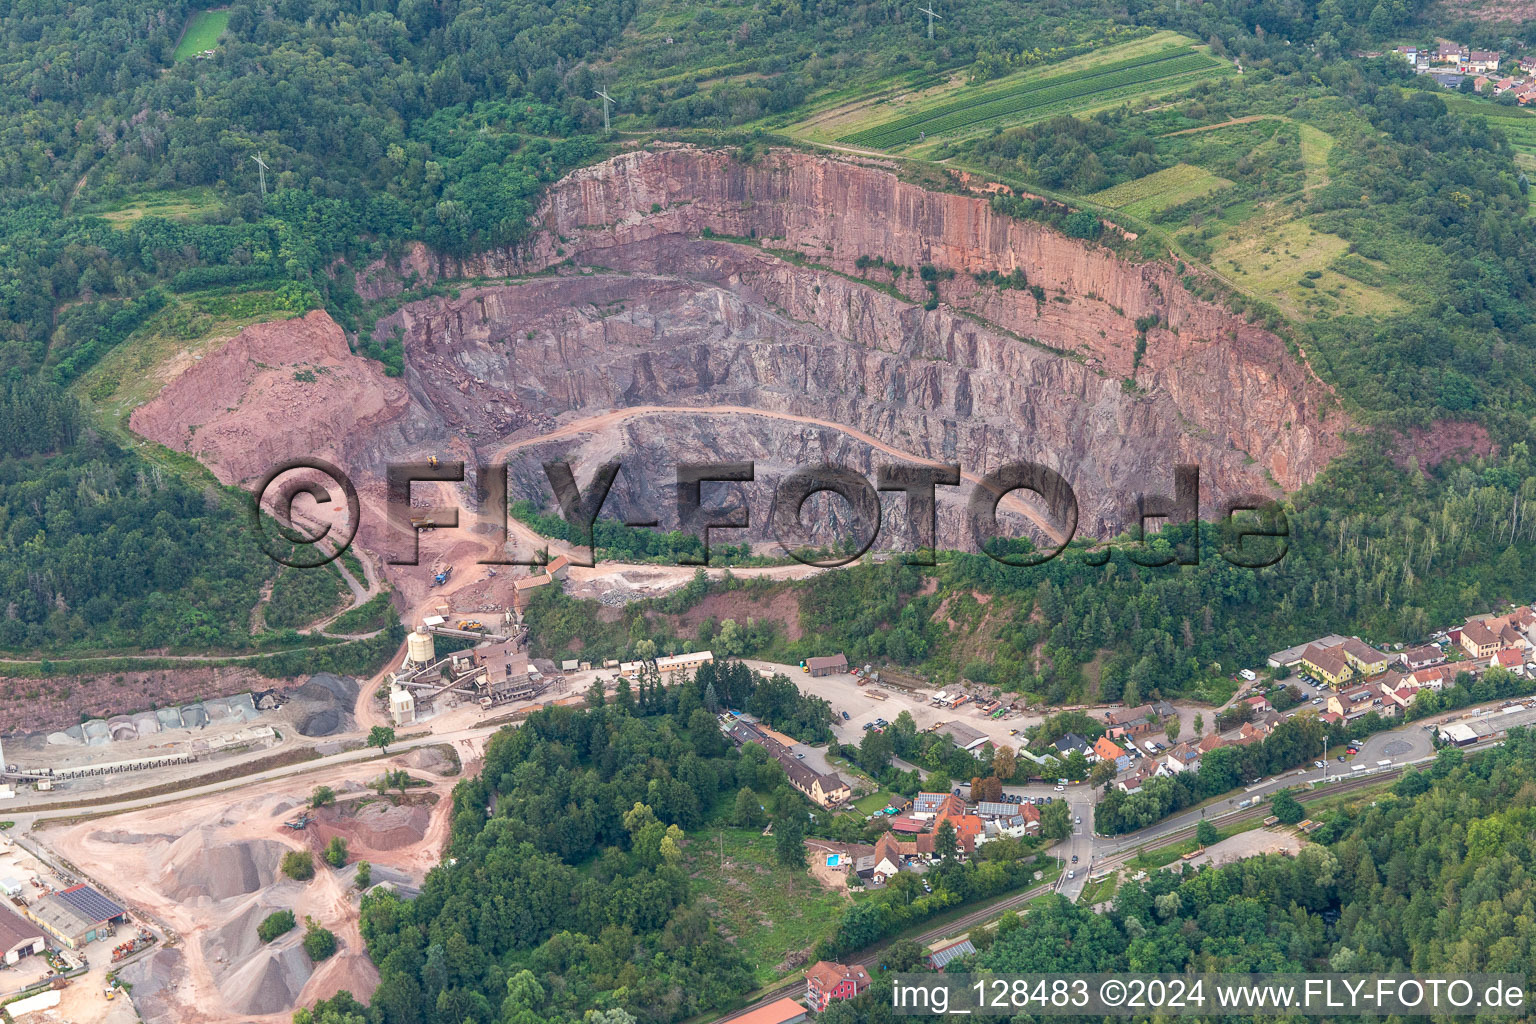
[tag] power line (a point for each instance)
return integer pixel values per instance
(261, 169)
(931, 15)
(605, 102)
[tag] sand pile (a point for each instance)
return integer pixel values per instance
(271, 980)
(428, 759)
(323, 705)
(379, 825)
(153, 979)
(198, 866)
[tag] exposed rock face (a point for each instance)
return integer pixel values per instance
(273, 392)
(690, 321)
(817, 358)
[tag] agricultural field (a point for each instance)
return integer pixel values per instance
(203, 31)
(1032, 96)
(1161, 190)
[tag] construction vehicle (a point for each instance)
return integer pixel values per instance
(469, 624)
(440, 574)
(300, 823)
(432, 461)
(423, 522)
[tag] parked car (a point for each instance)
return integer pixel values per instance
(1319, 764)
(1061, 789)
(1341, 757)
(1317, 700)
(845, 716)
(1071, 875)
(800, 756)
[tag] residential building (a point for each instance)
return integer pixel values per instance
(967, 828)
(1104, 748)
(1509, 658)
(1327, 664)
(1484, 60)
(1450, 53)
(1478, 640)
(1071, 743)
(826, 981)
(1434, 678)
(1182, 758)
(1259, 703)
(823, 790)
(1416, 658)
(1364, 658)
(75, 916)
(1292, 656)
(1253, 732)
(887, 858)
(1355, 701)
(938, 958)
(934, 804)
(1403, 696)
(1132, 783)
(826, 666)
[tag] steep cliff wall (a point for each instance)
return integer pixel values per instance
(664, 316)
(624, 329)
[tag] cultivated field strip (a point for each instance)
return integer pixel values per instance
(1032, 96)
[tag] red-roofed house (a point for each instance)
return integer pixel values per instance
(967, 828)
(1510, 659)
(826, 981)
(1106, 749)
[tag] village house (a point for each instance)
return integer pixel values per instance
(1071, 743)
(1479, 641)
(1510, 659)
(1403, 696)
(930, 805)
(1144, 770)
(1259, 703)
(967, 828)
(1415, 658)
(1450, 53)
(1484, 60)
(1434, 678)
(1182, 758)
(1327, 664)
(1104, 748)
(826, 981)
(823, 790)
(1346, 701)
(1364, 658)
(1253, 732)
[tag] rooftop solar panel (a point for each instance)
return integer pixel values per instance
(90, 903)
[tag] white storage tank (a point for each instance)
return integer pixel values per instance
(419, 647)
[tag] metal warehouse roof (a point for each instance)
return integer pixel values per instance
(90, 905)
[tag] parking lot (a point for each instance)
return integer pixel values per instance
(844, 693)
